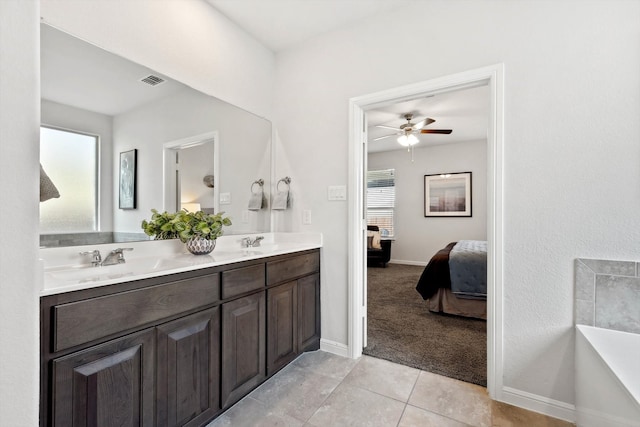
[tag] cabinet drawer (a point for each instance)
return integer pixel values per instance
(83, 321)
(291, 268)
(242, 280)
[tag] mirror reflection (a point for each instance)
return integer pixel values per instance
(191, 150)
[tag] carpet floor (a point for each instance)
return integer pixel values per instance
(401, 329)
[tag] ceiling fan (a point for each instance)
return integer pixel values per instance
(407, 131)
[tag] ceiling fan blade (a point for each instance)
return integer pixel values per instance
(382, 137)
(386, 127)
(423, 123)
(444, 131)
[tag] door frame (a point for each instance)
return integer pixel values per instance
(168, 156)
(493, 77)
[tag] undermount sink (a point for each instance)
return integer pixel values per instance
(85, 273)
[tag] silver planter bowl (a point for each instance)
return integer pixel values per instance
(200, 246)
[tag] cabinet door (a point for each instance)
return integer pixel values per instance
(188, 375)
(111, 384)
(282, 326)
(309, 313)
(243, 347)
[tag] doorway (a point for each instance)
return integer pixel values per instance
(443, 334)
(493, 77)
(190, 175)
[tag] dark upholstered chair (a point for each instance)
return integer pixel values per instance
(377, 257)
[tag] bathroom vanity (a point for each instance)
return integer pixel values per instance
(178, 347)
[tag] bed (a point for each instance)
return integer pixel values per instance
(455, 279)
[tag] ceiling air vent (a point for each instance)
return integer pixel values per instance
(152, 80)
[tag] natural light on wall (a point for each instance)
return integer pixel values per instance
(70, 160)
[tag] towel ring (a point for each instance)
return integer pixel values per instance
(260, 182)
(286, 180)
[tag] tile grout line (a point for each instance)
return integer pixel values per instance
(328, 395)
(409, 398)
(402, 414)
(379, 394)
(430, 411)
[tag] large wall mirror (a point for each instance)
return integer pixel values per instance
(104, 116)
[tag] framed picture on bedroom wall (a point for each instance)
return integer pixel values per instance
(447, 194)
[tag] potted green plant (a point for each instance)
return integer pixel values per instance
(198, 230)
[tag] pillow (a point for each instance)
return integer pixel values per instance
(373, 240)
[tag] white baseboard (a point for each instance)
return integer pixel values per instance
(402, 261)
(587, 417)
(334, 347)
(543, 405)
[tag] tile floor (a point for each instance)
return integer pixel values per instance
(322, 389)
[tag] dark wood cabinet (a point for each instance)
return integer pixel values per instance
(282, 331)
(309, 313)
(293, 309)
(175, 350)
(111, 384)
(79, 322)
(188, 371)
(243, 347)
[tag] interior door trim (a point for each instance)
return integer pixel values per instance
(492, 76)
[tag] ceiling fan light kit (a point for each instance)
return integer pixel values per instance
(407, 131)
(408, 140)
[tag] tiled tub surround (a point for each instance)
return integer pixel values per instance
(608, 294)
(607, 352)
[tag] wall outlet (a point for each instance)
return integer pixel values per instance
(245, 216)
(306, 217)
(225, 198)
(337, 192)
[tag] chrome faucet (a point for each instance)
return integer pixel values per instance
(116, 256)
(96, 258)
(248, 242)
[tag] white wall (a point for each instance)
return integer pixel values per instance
(71, 118)
(19, 179)
(244, 150)
(187, 40)
(571, 178)
(418, 238)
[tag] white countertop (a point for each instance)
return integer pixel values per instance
(65, 270)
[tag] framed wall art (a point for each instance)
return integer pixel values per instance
(128, 179)
(447, 194)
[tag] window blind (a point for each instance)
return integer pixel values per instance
(381, 199)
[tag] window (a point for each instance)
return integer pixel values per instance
(381, 199)
(70, 159)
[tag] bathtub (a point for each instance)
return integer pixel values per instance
(607, 377)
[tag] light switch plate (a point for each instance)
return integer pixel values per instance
(245, 216)
(337, 192)
(306, 217)
(225, 198)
